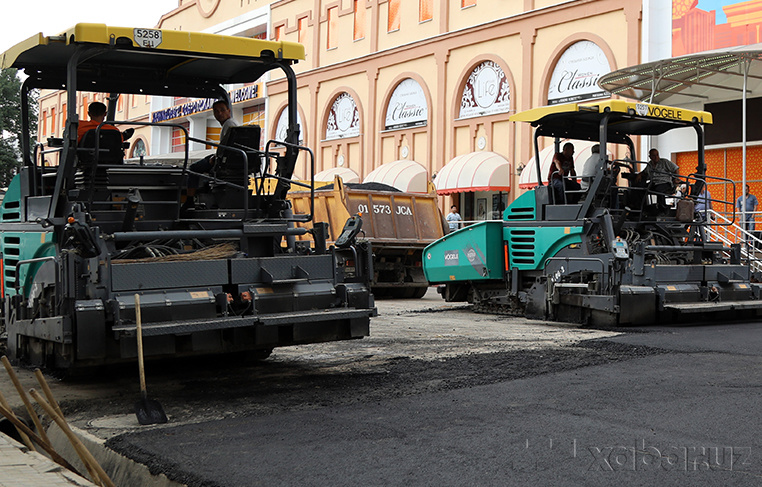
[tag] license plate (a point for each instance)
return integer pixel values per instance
(147, 37)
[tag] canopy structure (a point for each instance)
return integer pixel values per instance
(475, 171)
(407, 176)
(711, 76)
(158, 62)
(122, 60)
(582, 150)
(707, 76)
(347, 175)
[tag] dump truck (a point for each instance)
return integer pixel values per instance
(611, 254)
(81, 239)
(397, 225)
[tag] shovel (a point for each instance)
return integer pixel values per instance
(148, 411)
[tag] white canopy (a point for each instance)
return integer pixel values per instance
(347, 175)
(475, 171)
(407, 176)
(710, 76)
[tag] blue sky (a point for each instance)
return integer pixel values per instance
(23, 19)
(716, 5)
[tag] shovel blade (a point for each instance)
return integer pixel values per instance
(149, 411)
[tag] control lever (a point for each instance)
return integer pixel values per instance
(348, 234)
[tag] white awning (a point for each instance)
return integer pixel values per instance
(407, 176)
(475, 171)
(347, 175)
(582, 150)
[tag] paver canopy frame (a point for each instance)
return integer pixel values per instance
(719, 75)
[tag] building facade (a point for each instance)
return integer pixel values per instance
(430, 81)
(53, 112)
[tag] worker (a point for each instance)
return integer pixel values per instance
(453, 218)
(747, 204)
(660, 172)
(97, 113)
(562, 176)
(221, 112)
(590, 166)
(703, 204)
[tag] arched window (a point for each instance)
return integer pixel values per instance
(139, 148)
(342, 143)
(407, 107)
(343, 118)
(576, 74)
(486, 91)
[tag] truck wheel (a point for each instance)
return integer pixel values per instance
(260, 354)
(419, 292)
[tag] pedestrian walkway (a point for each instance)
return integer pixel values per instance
(20, 467)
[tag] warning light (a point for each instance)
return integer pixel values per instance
(71, 219)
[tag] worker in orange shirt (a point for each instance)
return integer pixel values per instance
(97, 112)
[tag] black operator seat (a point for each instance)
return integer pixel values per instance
(110, 145)
(230, 167)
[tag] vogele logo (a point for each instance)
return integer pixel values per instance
(451, 257)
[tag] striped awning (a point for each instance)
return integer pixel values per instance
(347, 175)
(407, 176)
(475, 171)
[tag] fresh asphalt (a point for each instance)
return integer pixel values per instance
(686, 413)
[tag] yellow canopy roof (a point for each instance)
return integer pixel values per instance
(624, 107)
(129, 60)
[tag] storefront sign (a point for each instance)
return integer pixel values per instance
(407, 106)
(576, 75)
(343, 119)
(486, 92)
(249, 92)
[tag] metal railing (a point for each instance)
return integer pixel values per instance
(730, 232)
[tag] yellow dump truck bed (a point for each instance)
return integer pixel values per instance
(397, 225)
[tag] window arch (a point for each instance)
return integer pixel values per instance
(404, 120)
(341, 131)
(343, 119)
(277, 131)
(574, 68)
(139, 148)
(480, 108)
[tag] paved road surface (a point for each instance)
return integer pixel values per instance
(659, 406)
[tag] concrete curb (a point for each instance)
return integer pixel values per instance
(21, 467)
(122, 470)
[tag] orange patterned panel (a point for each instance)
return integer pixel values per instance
(681, 7)
(731, 169)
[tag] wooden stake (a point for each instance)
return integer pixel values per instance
(27, 403)
(12, 418)
(87, 457)
(24, 430)
(48, 393)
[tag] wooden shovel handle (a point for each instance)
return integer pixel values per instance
(139, 332)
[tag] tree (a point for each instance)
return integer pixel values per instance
(10, 123)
